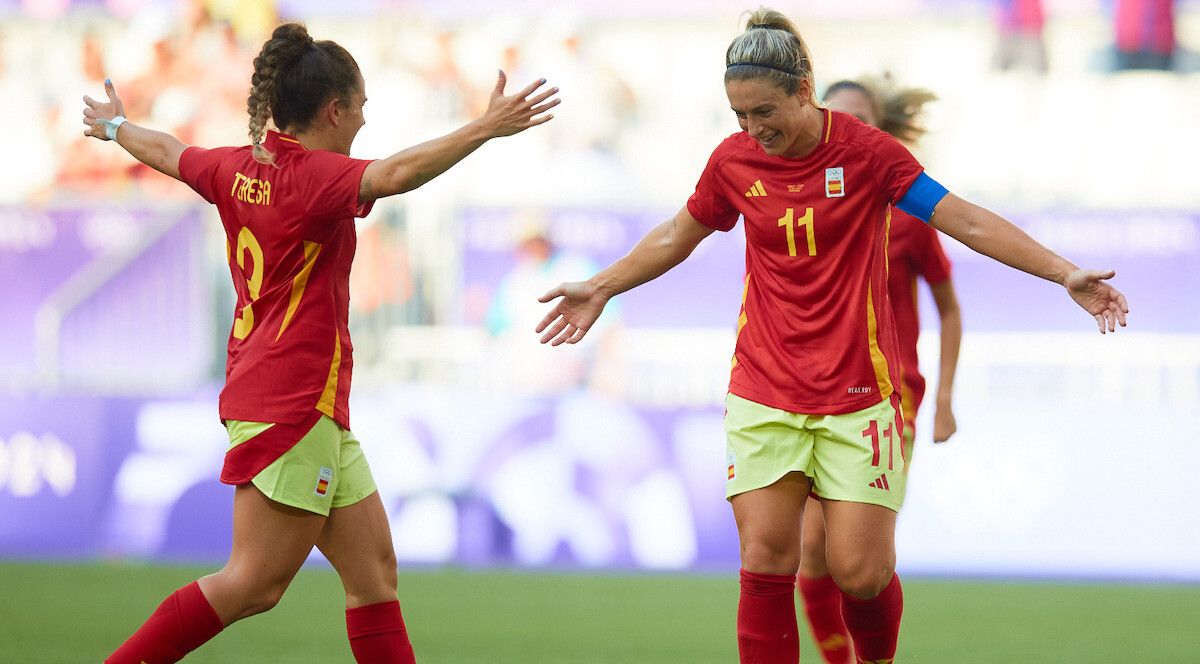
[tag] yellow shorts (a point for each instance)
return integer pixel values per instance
(857, 457)
(325, 469)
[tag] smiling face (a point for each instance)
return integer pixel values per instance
(770, 115)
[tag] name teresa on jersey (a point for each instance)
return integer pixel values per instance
(251, 190)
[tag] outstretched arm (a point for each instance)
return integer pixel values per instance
(993, 236)
(944, 424)
(408, 169)
(664, 247)
(153, 148)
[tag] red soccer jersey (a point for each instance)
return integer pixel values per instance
(290, 239)
(816, 333)
(913, 250)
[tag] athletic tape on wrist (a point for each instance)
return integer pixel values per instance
(110, 126)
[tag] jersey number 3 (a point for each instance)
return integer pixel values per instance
(246, 242)
(790, 222)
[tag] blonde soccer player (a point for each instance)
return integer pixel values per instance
(813, 405)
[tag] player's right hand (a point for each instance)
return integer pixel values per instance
(508, 115)
(573, 315)
(97, 111)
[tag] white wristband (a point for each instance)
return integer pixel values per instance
(110, 126)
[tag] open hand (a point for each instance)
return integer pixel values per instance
(508, 115)
(97, 111)
(1105, 303)
(574, 315)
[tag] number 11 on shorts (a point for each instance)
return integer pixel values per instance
(872, 432)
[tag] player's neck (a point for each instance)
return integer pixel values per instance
(809, 136)
(317, 140)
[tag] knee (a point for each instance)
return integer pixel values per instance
(263, 599)
(771, 556)
(378, 585)
(812, 554)
(387, 568)
(863, 579)
(254, 595)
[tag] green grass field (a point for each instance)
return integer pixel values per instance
(78, 613)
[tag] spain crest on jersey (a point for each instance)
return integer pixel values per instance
(835, 183)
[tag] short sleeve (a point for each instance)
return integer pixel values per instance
(933, 264)
(707, 204)
(198, 169)
(897, 168)
(337, 178)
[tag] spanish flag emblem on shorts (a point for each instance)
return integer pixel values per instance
(323, 480)
(731, 459)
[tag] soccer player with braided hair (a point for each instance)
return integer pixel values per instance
(913, 250)
(288, 204)
(813, 405)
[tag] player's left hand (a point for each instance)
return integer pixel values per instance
(944, 424)
(1105, 303)
(97, 111)
(512, 114)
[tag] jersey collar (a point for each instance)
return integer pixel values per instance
(276, 141)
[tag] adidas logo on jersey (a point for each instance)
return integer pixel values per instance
(756, 190)
(881, 483)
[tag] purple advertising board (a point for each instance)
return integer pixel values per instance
(81, 287)
(58, 456)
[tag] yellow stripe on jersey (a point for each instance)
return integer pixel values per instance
(311, 249)
(828, 123)
(887, 238)
(877, 359)
(329, 396)
(742, 319)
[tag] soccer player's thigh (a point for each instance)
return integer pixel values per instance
(769, 456)
(860, 473)
(357, 538)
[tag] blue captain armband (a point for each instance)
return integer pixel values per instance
(924, 195)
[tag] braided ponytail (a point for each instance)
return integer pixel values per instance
(287, 44)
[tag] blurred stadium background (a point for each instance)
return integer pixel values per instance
(1075, 459)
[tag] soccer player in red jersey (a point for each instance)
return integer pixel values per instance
(288, 204)
(913, 250)
(812, 404)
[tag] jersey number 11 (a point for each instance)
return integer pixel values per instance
(790, 222)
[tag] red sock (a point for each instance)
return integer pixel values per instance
(823, 606)
(874, 623)
(183, 622)
(377, 634)
(766, 625)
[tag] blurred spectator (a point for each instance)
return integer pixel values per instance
(32, 172)
(1022, 43)
(1145, 34)
(538, 266)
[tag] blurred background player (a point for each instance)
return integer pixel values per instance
(1021, 42)
(812, 404)
(913, 250)
(1144, 32)
(288, 203)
